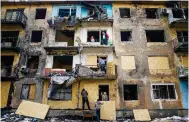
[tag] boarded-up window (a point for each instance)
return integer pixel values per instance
(91, 60)
(28, 91)
(128, 62)
(158, 62)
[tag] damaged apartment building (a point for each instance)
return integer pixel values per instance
(51, 51)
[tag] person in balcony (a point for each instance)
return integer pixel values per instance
(102, 64)
(105, 38)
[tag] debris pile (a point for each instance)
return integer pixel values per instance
(12, 117)
(172, 119)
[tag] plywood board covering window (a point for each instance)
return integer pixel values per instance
(158, 62)
(128, 62)
(91, 60)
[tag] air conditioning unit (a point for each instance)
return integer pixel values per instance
(163, 12)
(6, 44)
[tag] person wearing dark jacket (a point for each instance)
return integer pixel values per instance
(84, 95)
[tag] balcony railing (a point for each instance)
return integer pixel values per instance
(62, 22)
(18, 18)
(180, 44)
(94, 71)
(6, 71)
(10, 42)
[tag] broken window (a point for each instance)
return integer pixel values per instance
(33, 62)
(36, 36)
(65, 36)
(28, 91)
(124, 12)
(130, 92)
(163, 91)
(61, 93)
(67, 12)
(103, 92)
(182, 36)
(152, 13)
(14, 14)
(125, 36)
(40, 13)
(96, 36)
(63, 62)
(6, 65)
(177, 13)
(155, 36)
(9, 38)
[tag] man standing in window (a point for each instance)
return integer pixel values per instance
(102, 64)
(84, 95)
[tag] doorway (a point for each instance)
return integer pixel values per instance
(102, 89)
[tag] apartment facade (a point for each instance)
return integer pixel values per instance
(61, 42)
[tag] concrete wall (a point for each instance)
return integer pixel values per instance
(139, 48)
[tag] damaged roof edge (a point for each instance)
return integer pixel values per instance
(53, 1)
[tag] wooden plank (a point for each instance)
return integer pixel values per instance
(32, 92)
(108, 111)
(141, 115)
(32, 109)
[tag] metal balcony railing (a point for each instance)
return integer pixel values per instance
(94, 71)
(16, 18)
(6, 71)
(180, 44)
(10, 42)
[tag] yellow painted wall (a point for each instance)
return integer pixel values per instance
(185, 61)
(158, 62)
(128, 62)
(4, 86)
(127, 5)
(32, 92)
(90, 86)
(91, 60)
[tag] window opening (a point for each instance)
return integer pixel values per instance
(33, 62)
(124, 12)
(40, 13)
(177, 13)
(63, 62)
(155, 36)
(65, 36)
(103, 92)
(130, 92)
(125, 36)
(152, 13)
(36, 36)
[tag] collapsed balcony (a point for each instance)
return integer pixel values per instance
(93, 12)
(14, 17)
(66, 19)
(95, 72)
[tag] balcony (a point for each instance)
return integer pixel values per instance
(180, 44)
(94, 72)
(16, 18)
(10, 43)
(63, 23)
(178, 17)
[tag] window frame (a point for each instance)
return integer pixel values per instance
(100, 35)
(32, 36)
(29, 85)
(62, 93)
(125, 17)
(163, 84)
(40, 9)
(70, 9)
(136, 91)
(157, 14)
(130, 36)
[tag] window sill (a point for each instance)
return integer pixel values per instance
(164, 100)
